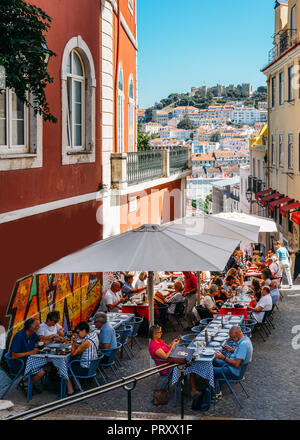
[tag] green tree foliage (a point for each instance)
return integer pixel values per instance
(215, 137)
(186, 124)
(142, 139)
(22, 53)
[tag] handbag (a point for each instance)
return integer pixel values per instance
(160, 397)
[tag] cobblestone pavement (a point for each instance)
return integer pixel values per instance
(272, 379)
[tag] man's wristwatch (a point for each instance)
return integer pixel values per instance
(225, 357)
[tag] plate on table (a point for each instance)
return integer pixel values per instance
(123, 317)
(220, 338)
(207, 352)
(214, 344)
(222, 335)
(228, 326)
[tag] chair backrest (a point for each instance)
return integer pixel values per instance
(94, 365)
(135, 326)
(206, 321)
(110, 353)
(124, 333)
(203, 312)
(196, 329)
(188, 338)
(243, 370)
(8, 359)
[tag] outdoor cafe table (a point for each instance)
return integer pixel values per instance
(141, 310)
(35, 363)
(116, 320)
(244, 300)
(203, 365)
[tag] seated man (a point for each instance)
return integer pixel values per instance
(128, 290)
(264, 305)
(113, 298)
(23, 346)
(231, 360)
(229, 283)
(50, 330)
(107, 337)
(274, 292)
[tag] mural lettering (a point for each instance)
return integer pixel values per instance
(75, 296)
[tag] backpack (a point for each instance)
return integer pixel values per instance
(202, 402)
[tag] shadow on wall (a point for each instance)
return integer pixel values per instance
(75, 296)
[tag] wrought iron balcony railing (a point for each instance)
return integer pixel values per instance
(283, 40)
(144, 165)
(179, 159)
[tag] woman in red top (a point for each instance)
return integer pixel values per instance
(160, 350)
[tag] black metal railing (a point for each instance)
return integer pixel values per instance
(127, 383)
(144, 165)
(286, 40)
(179, 160)
(234, 197)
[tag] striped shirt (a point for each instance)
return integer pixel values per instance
(90, 353)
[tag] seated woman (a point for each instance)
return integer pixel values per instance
(175, 297)
(255, 286)
(266, 278)
(50, 330)
(221, 295)
(85, 344)
(208, 302)
(158, 349)
(237, 275)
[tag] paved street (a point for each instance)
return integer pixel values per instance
(272, 381)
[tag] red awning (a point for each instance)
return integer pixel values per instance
(290, 207)
(262, 193)
(264, 200)
(272, 205)
(295, 217)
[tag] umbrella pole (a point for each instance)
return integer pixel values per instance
(150, 291)
(198, 289)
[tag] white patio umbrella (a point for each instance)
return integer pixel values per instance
(264, 224)
(149, 248)
(218, 226)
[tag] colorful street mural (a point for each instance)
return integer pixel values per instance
(75, 296)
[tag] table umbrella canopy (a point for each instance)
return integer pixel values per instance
(221, 227)
(149, 248)
(265, 224)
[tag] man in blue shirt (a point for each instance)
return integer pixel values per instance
(283, 261)
(107, 338)
(24, 345)
(274, 292)
(233, 359)
(128, 289)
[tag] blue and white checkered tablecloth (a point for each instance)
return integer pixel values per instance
(204, 369)
(36, 362)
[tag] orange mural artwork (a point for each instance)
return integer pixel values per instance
(75, 296)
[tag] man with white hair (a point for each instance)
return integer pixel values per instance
(113, 298)
(232, 359)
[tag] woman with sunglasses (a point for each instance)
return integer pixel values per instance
(85, 345)
(51, 330)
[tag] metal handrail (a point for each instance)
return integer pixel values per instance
(121, 383)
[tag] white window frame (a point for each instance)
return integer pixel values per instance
(131, 116)
(87, 154)
(79, 79)
(120, 115)
(9, 148)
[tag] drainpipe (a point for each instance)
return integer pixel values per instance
(116, 79)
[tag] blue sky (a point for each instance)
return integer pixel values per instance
(196, 42)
